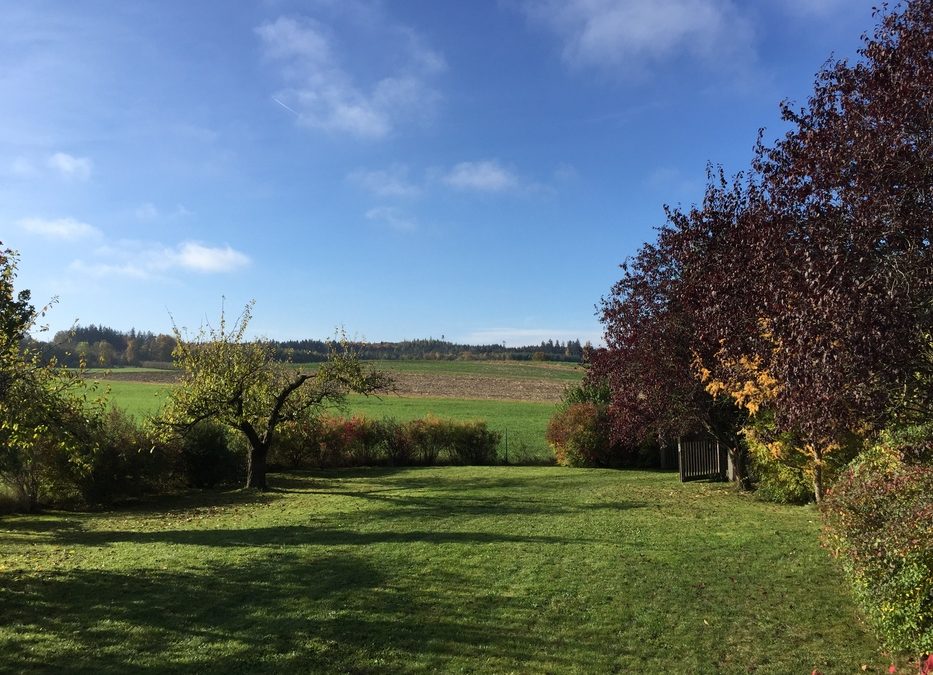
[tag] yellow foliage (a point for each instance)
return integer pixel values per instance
(750, 385)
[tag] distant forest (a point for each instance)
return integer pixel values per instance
(103, 347)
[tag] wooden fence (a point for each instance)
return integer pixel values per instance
(702, 459)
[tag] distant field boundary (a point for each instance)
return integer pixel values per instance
(479, 380)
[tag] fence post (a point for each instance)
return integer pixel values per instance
(680, 460)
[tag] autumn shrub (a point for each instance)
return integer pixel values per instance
(334, 442)
(428, 439)
(471, 443)
(297, 444)
(399, 442)
(579, 435)
(878, 522)
(350, 441)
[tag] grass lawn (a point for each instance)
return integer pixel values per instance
(500, 569)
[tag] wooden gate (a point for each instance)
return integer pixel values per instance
(702, 459)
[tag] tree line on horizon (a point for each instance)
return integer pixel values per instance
(98, 346)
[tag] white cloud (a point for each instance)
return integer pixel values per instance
(151, 260)
(61, 229)
(390, 182)
(482, 176)
(392, 217)
(70, 166)
(628, 35)
(323, 95)
(210, 259)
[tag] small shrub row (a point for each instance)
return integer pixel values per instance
(878, 522)
(330, 442)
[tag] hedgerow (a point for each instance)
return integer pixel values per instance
(879, 525)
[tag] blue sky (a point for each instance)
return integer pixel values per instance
(404, 169)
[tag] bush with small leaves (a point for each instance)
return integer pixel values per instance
(879, 524)
(399, 443)
(297, 444)
(472, 443)
(117, 459)
(579, 435)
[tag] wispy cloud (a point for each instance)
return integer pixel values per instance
(148, 212)
(482, 176)
(59, 229)
(23, 168)
(631, 35)
(324, 95)
(390, 182)
(152, 260)
(69, 166)
(392, 217)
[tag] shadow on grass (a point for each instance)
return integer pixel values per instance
(283, 612)
(439, 496)
(290, 535)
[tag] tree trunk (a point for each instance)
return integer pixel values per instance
(817, 474)
(256, 468)
(740, 463)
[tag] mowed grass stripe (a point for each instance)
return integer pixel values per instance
(456, 569)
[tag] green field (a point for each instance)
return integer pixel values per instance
(137, 398)
(496, 569)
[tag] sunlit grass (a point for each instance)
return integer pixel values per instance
(498, 569)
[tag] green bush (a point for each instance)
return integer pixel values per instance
(776, 479)
(579, 435)
(428, 439)
(207, 458)
(117, 459)
(472, 443)
(782, 468)
(879, 524)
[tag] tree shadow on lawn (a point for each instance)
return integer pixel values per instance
(464, 498)
(284, 612)
(291, 535)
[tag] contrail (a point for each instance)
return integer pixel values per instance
(291, 110)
